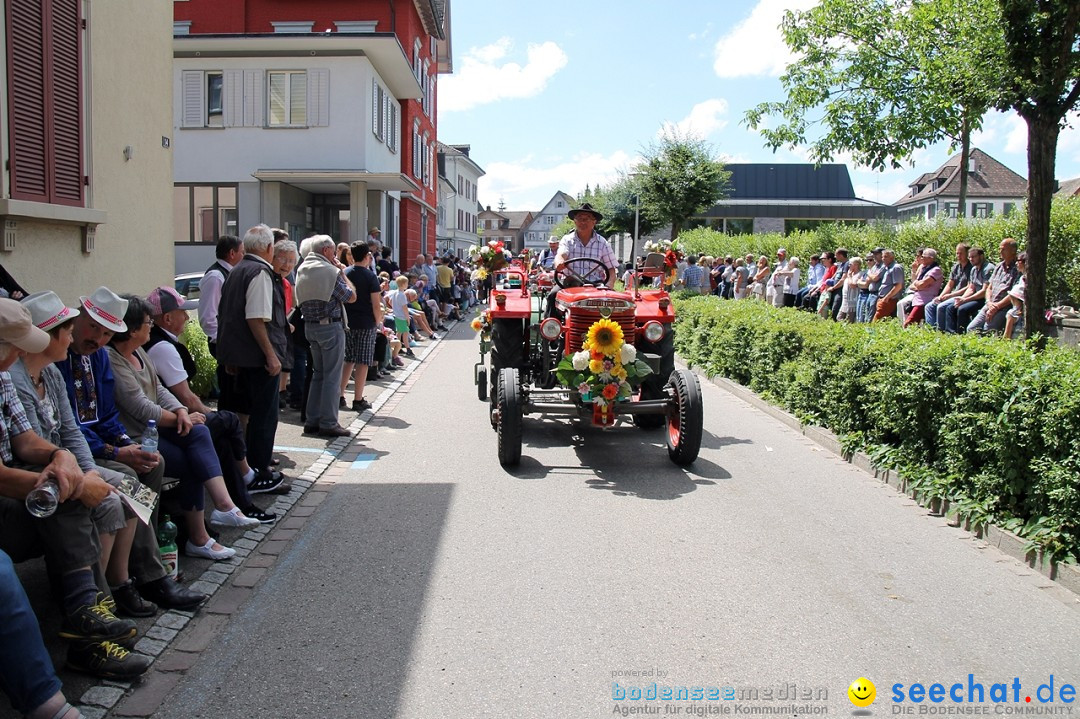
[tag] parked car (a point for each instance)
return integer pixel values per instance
(187, 284)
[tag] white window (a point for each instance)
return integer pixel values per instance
(378, 110)
(559, 204)
(287, 99)
(417, 149)
(293, 26)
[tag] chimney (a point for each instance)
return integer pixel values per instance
(489, 208)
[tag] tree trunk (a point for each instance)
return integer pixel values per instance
(676, 227)
(1042, 151)
(965, 160)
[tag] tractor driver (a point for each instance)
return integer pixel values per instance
(584, 241)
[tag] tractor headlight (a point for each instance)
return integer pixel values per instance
(653, 331)
(551, 328)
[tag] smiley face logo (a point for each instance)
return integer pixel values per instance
(862, 692)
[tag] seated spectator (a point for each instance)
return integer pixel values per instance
(418, 316)
(44, 399)
(814, 273)
(956, 317)
(849, 301)
(89, 379)
(868, 285)
(836, 293)
(925, 287)
(890, 284)
(176, 368)
(991, 317)
(813, 297)
(903, 301)
(67, 537)
(27, 676)
(1014, 318)
(184, 441)
(959, 276)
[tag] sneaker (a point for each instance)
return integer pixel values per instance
(96, 622)
(410, 353)
(264, 517)
(397, 362)
(360, 405)
(267, 481)
(233, 518)
(434, 337)
(207, 550)
(130, 603)
(106, 659)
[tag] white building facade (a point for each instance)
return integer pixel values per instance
(458, 207)
(554, 212)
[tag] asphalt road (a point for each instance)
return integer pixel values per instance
(434, 583)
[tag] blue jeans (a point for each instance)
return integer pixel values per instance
(932, 309)
(327, 358)
(981, 324)
(26, 672)
(954, 319)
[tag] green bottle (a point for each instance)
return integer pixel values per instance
(166, 537)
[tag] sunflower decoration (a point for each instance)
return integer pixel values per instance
(604, 371)
(482, 324)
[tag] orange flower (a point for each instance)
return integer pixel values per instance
(593, 354)
(610, 390)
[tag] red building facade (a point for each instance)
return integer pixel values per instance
(422, 28)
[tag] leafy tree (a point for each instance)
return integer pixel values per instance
(1042, 83)
(618, 203)
(888, 77)
(678, 178)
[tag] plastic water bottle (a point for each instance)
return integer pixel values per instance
(43, 501)
(150, 437)
(166, 536)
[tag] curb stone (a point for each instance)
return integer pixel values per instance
(97, 702)
(1066, 575)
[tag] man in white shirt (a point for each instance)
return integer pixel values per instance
(230, 250)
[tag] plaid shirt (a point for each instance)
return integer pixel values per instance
(13, 419)
(598, 249)
(315, 310)
(694, 277)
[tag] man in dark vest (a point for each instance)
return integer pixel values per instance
(252, 343)
(230, 250)
(176, 368)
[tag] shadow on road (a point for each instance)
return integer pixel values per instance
(712, 441)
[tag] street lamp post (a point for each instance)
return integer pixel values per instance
(637, 218)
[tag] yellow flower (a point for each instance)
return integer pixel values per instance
(619, 372)
(476, 324)
(605, 336)
(596, 366)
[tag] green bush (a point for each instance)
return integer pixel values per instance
(1063, 257)
(990, 425)
(194, 339)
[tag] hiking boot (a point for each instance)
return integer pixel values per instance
(360, 405)
(130, 603)
(96, 622)
(106, 659)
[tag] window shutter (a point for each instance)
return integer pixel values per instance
(193, 98)
(66, 65)
(318, 98)
(254, 106)
(27, 111)
(395, 132)
(298, 96)
(375, 107)
(233, 100)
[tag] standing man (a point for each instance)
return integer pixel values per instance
(252, 343)
(444, 278)
(891, 284)
(374, 235)
(321, 290)
(229, 252)
(365, 316)
(88, 374)
(779, 281)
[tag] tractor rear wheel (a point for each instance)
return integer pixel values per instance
(509, 410)
(685, 418)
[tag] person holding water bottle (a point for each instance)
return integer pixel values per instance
(67, 537)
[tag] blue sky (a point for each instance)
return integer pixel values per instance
(556, 95)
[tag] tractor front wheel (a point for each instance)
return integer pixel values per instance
(685, 418)
(509, 410)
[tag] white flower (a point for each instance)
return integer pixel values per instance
(581, 360)
(627, 353)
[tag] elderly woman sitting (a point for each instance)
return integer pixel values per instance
(184, 443)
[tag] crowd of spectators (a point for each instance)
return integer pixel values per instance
(973, 295)
(79, 386)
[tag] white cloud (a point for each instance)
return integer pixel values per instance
(704, 119)
(694, 36)
(485, 75)
(526, 185)
(755, 45)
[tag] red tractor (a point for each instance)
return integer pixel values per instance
(530, 352)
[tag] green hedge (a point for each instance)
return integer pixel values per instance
(1063, 259)
(989, 425)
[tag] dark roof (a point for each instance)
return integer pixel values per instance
(793, 181)
(990, 179)
(1069, 188)
(517, 219)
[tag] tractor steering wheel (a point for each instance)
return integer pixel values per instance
(565, 276)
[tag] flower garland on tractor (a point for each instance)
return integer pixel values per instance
(672, 252)
(488, 258)
(604, 371)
